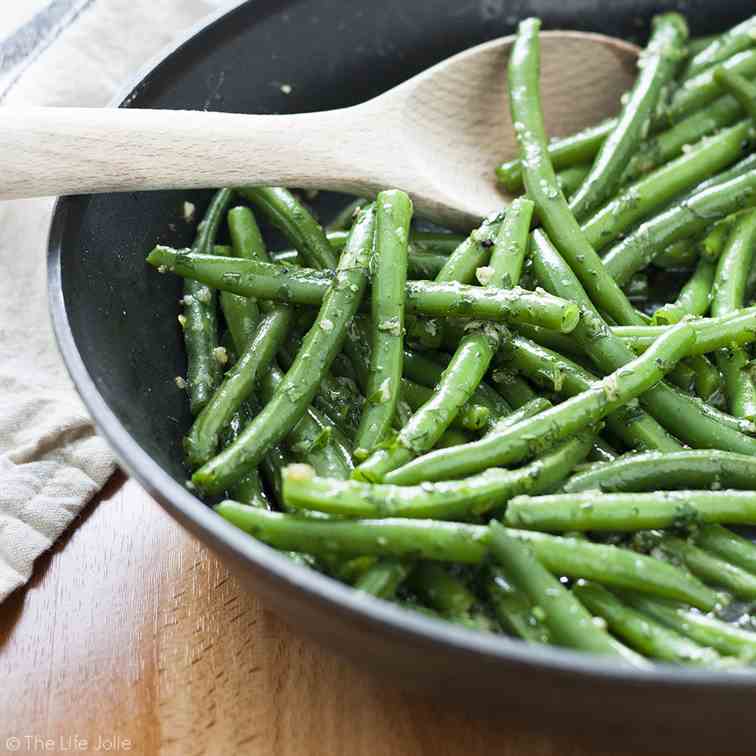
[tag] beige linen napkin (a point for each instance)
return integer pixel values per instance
(56, 52)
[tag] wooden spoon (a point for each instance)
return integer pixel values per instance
(438, 136)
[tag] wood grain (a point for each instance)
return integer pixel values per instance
(132, 630)
(438, 136)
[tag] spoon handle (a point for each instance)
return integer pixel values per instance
(51, 151)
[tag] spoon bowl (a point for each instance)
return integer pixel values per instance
(455, 116)
(438, 136)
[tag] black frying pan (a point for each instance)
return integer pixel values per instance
(115, 320)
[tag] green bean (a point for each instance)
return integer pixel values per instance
(637, 288)
(271, 466)
(583, 146)
(282, 210)
(296, 391)
(428, 251)
(740, 88)
(539, 432)
(505, 266)
(473, 496)
(700, 90)
(568, 622)
(657, 66)
(691, 469)
(242, 313)
(529, 409)
(314, 440)
(694, 297)
(551, 370)
(427, 372)
(424, 374)
(458, 383)
(514, 610)
(450, 437)
(472, 416)
(424, 265)
(540, 180)
(199, 319)
(343, 220)
(617, 568)
(690, 419)
(702, 628)
(438, 242)
(682, 376)
(256, 343)
(473, 253)
(468, 544)
(643, 634)
(728, 293)
(638, 200)
(515, 391)
(202, 440)
(564, 152)
(691, 217)
(721, 47)
(570, 179)
(305, 286)
(711, 333)
(710, 568)
(682, 255)
(448, 595)
(591, 510)
(708, 378)
(730, 546)
(713, 244)
(724, 111)
(697, 44)
(423, 333)
(383, 578)
(249, 490)
(389, 276)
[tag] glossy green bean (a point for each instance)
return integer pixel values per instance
(728, 295)
(514, 610)
(699, 90)
(199, 319)
(568, 622)
(641, 633)
(652, 471)
(540, 180)
(721, 47)
(730, 546)
(725, 637)
(657, 66)
(740, 88)
(694, 297)
(596, 511)
(305, 286)
(709, 568)
(389, 276)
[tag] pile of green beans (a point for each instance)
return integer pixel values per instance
(544, 429)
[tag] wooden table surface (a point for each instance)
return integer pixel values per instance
(132, 631)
